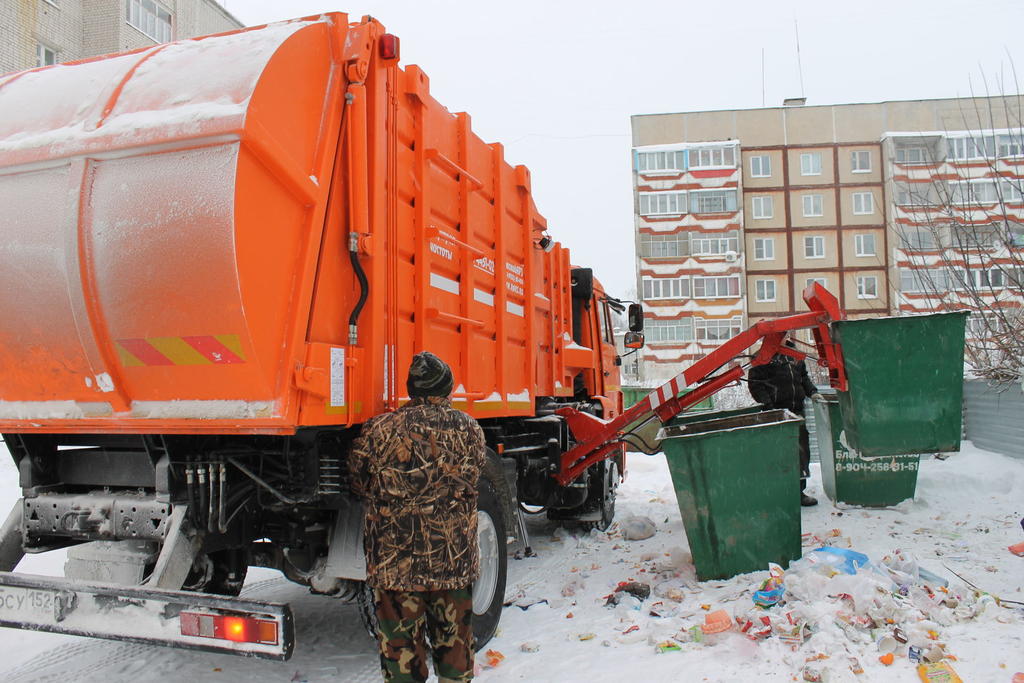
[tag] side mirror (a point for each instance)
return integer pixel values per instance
(635, 316)
(633, 340)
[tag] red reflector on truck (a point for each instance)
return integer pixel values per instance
(389, 46)
(234, 628)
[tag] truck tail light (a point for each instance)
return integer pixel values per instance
(389, 46)
(238, 629)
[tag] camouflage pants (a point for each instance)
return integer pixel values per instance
(406, 619)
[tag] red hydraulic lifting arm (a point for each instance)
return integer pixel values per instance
(598, 439)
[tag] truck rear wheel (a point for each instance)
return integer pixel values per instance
(489, 588)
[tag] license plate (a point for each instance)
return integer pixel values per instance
(27, 603)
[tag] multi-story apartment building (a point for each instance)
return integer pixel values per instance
(689, 248)
(42, 32)
(958, 223)
(875, 201)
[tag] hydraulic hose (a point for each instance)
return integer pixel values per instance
(364, 289)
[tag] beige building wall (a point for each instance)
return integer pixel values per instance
(825, 124)
(774, 161)
(850, 255)
(854, 302)
(777, 203)
(846, 172)
(780, 251)
(824, 157)
(828, 208)
(829, 260)
(849, 203)
(757, 308)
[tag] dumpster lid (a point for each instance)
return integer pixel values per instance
(747, 421)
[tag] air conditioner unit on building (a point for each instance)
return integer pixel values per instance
(731, 256)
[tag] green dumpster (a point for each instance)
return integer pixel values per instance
(738, 488)
(851, 478)
(905, 378)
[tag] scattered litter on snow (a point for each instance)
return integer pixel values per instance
(638, 528)
(493, 658)
(826, 626)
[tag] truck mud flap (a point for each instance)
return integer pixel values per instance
(195, 621)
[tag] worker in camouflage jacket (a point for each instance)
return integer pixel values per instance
(782, 384)
(416, 470)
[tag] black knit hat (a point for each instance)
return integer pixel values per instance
(429, 376)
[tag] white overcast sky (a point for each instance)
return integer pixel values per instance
(556, 81)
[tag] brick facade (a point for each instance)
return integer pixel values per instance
(75, 29)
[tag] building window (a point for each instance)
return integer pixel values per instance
(812, 205)
(705, 245)
(662, 203)
(970, 148)
(764, 248)
(45, 55)
(867, 287)
(921, 239)
(664, 246)
(712, 201)
(977, 279)
(915, 194)
(716, 287)
(1011, 145)
(810, 163)
(974, 192)
(661, 161)
(820, 280)
(912, 155)
(680, 330)
(765, 290)
(863, 203)
(666, 288)
(717, 330)
(864, 244)
(923, 280)
(150, 18)
(761, 166)
(860, 161)
(814, 246)
(1012, 191)
(762, 207)
(708, 157)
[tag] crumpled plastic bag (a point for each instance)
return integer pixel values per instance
(637, 528)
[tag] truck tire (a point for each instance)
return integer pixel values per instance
(489, 588)
(601, 498)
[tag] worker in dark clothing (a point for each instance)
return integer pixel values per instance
(416, 471)
(783, 383)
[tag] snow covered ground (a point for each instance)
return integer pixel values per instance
(966, 513)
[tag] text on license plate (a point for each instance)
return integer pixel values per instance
(26, 601)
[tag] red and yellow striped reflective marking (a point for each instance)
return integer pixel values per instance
(219, 349)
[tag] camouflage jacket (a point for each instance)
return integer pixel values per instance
(416, 472)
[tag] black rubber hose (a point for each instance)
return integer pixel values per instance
(364, 288)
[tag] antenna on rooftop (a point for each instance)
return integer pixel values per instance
(799, 65)
(763, 102)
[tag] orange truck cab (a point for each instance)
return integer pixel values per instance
(218, 257)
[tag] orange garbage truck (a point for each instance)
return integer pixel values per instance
(217, 258)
